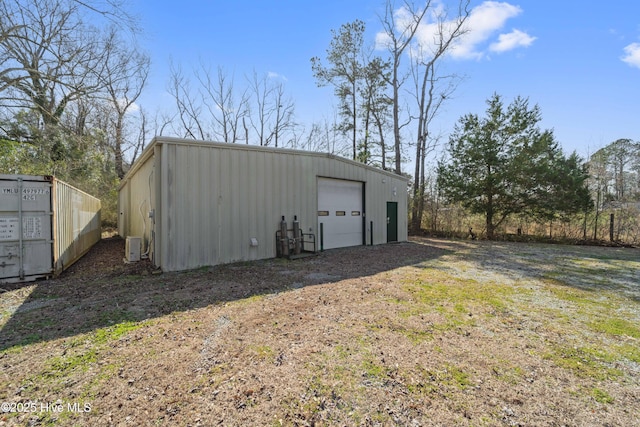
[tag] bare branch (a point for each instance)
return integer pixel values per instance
(188, 112)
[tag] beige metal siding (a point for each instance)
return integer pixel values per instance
(215, 201)
(141, 203)
(77, 224)
(123, 209)
(381, 189)
(136, 201)
(211, 198)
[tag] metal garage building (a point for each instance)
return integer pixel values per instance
(204, 203)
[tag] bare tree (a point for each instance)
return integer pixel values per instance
(188, 110)
(284, 114)
(402, 37)
(297, 135)
(141, 139)
(399, 32)
(431, 91)
(273, 111)
(51, 57)
(599, 177)
(263, 109)
(7, 31)
(323, 136)
(312, 139)
(161, 121)
(126, 72)
(216, 109)
(226, 110)
(114, 11)
(61, 68)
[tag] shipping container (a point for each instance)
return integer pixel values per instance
(196, 203)
(45, 226)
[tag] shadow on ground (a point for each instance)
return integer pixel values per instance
(100, 290)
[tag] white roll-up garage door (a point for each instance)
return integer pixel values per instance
(340, 212)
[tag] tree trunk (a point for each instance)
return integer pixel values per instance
(595, 227)
(611, 228)
(365, 144)
(118, 147)
(396, 119)
(416, 216)
(383, 150)
(422, 186)
(489, 222)
(354, 121)
(246, 131)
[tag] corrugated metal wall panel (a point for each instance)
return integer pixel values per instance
(257, 204)
(139, 199)
(213, 198)
(381, 189)
(162, 224)
(123, 209)
(78, 227)
(266, 178)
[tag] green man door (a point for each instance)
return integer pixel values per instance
(392, 221)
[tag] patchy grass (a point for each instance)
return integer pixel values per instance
(616, 326)
(508, 373)
(585, 362)
(433, 332)
(630, 352)
(263, 351)
(105, 335)
(454, 296)
(601, 396)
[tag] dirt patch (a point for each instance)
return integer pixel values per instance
(430, 332)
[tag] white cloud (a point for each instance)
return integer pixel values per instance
(511, 41)
(483, 22)
(382, 40)
(274, 75)
(403, 20)
(632, 55)
(481, 25)
(133, 108)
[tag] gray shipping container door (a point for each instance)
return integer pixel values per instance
(26, 239)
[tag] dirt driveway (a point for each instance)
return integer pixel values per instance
(428, 332)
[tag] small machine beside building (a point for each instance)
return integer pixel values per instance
(196, 203)
(45, 226)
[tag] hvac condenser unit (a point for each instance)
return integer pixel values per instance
(132, 248)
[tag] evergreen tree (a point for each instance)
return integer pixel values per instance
(504, 164)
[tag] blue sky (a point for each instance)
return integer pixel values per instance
(579, 61)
